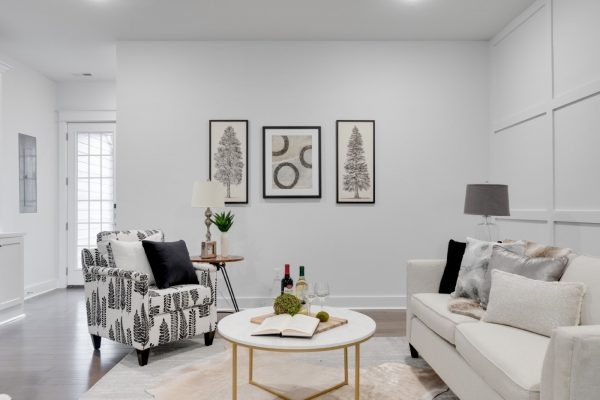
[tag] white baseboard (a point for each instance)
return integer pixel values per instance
(354, 302)
(38, 288)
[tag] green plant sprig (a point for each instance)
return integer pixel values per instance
(223, 221)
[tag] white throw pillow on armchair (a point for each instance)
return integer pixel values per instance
(130, 256)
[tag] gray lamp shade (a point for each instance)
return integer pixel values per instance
(486, 199)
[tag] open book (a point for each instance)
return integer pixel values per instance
(285, 325)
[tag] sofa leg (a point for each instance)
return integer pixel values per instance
(143, 356)
(413, 352)
(96, 340)
(208, 338)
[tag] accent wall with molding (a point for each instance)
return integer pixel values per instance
(545, 82)
(430, 104)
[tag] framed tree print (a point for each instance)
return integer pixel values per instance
(228, 165)
(292, 162)
(355, 161)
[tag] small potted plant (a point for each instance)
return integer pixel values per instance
(223, 221)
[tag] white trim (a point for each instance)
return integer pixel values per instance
(87, 116)
(65, 117)
(576, 95)
(520, 118)
(12, 319)
(4, 67)
(517, 22)
(39, 288)
(353, 302)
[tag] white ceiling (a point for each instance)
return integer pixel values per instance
(63, 37)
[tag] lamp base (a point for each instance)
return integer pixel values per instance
(487, 230)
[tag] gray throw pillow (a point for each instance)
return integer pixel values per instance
(549, 269)
(475, 264)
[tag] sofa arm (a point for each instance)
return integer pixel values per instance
(572, 365)
(422, 276)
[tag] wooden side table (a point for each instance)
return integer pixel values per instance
(221, 264)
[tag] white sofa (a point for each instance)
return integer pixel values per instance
(483, 361)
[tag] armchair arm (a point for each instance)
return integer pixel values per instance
(121, 273)
(207, 276)
(422, 276)
(204, 267)
(572, 365)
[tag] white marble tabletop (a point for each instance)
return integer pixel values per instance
(237, 328)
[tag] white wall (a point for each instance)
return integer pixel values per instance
(28, 106)
(545, 74)
(86, 96)
(430, 103)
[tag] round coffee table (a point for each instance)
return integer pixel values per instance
(237, 329)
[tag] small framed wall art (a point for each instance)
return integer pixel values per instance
(355, 161)
(292, 162)
(228, 158)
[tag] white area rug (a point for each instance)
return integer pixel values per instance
(189, 370)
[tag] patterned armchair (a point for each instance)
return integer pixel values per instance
(123, 307)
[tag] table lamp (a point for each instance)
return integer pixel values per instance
(487, 200)
(208, 194)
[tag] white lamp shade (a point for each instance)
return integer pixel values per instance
(208, 194)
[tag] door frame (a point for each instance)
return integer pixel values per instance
(64, 119)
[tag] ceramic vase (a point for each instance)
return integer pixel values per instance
(224, 244)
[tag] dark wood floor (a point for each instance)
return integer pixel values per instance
(48, 355)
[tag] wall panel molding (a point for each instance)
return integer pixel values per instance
(516, 23)
(579, 227)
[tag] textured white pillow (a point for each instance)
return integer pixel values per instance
(131, 256)
(533, 305)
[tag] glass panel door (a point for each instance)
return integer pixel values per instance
(91, 189)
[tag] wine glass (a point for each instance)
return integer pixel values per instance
(322, 292)
(310, 297)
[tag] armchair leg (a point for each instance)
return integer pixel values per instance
(143, 356)
(413, 352)
(96, 340)
(208, 338)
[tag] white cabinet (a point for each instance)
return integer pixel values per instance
(11, 276)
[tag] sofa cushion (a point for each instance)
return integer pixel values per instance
(432, 310)
(177, 298)
(587, 270)
(509, 359)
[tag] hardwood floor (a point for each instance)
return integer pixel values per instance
(49, 354)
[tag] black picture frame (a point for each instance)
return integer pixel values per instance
(339, 198)
(295, 193)
(212, 123)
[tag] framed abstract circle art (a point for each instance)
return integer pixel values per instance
(292, 162)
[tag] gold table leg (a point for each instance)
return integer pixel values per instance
(234, 372)
(357, 372)
(346, 365)
(282, 396)
(250, 364)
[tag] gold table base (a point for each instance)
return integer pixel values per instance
(282, 396)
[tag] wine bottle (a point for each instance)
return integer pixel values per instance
(301, 286)
(287, 283)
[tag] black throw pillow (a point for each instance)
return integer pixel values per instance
(456, 250)
(170, 263)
